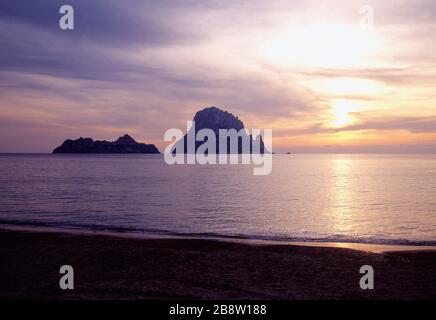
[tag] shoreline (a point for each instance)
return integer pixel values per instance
(359, 246)
(108, 267)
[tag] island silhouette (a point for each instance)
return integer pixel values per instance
(215, 119)
(212, 118)
(124, 144)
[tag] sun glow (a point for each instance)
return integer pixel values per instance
(340, 112)
(325, 45)
(348, 86)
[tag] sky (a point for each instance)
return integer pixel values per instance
(309, 70)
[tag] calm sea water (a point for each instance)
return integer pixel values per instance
(355, 198)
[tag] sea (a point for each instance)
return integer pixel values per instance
(358, 198)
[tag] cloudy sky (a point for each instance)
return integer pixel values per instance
(305, 68)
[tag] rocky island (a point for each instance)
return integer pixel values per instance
(214, 118)
(125, 144)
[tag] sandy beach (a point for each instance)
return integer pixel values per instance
(109, 267)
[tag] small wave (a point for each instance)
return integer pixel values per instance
(210, 235)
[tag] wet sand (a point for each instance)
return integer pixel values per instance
(110, 267)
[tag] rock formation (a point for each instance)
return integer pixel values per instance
(124, 144)
(215, 119)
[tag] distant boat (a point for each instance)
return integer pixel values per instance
(288, 153)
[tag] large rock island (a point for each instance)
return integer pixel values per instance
(124, 144)
(214, 118)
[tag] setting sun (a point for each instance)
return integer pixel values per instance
(341, 113)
